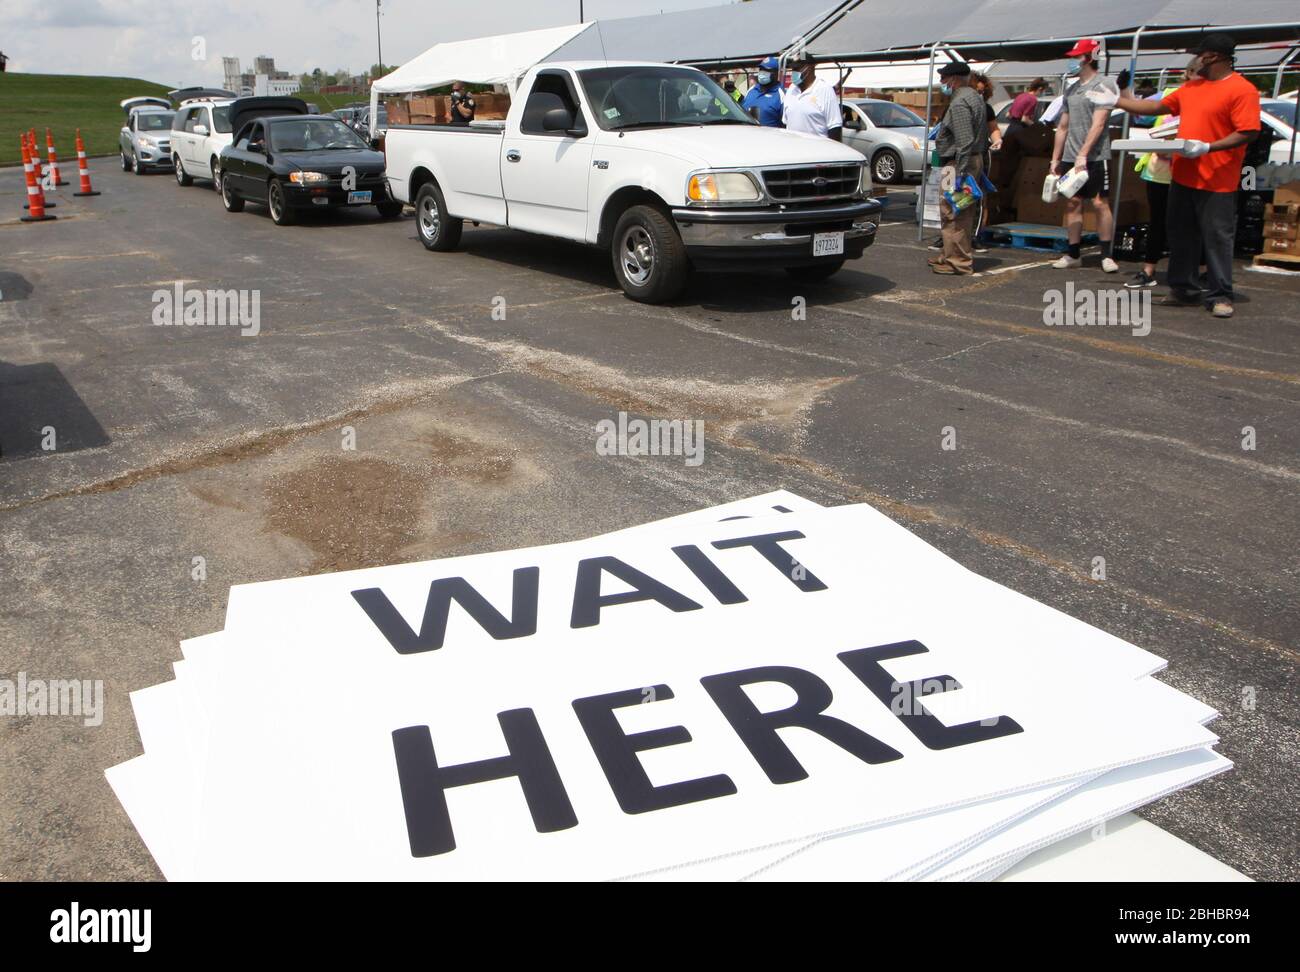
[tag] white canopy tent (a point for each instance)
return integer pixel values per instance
(502, 59)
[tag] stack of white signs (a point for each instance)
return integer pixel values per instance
(764, 689)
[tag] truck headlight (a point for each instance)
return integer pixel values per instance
(864, 181)
(306, 178)
(722, 187)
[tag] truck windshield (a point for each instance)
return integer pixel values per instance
(654, 96)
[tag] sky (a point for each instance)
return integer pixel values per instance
(183, 43)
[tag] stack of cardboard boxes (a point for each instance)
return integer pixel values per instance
(916, 101)
(1027, 194)
(1282, 222)
(436, 109)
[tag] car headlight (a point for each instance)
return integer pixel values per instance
(722, 187)
(305, 178)
(148, 142)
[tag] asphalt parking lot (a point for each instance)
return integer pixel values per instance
(474, 433)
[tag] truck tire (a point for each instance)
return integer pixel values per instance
(437, 230)
(817, 272)
(649, 258)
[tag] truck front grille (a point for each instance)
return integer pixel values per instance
(814, 183)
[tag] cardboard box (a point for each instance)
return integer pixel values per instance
(1284, 213)
(399, 112)
(1284, 247)
(1281, 230)
(1287, 194)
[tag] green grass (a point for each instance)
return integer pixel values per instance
(63, 103)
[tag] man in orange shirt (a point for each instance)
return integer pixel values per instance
(1218, 115)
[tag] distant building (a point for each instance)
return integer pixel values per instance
(264, 85)
(264, 79)
(4, 59)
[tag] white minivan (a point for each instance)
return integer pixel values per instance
(202, 128)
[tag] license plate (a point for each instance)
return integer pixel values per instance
(361, 198)
(828, 244)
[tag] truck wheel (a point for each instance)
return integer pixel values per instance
(817, 272)
(438, 231)
(649, 258)
(182, 178)
(886, 166)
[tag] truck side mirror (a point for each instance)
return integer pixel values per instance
(557, 120)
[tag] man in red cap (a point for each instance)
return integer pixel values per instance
(1218, 115)
(1083, 142)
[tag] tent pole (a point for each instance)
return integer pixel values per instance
(925, 155)
(1123, 156)
(1277, 82)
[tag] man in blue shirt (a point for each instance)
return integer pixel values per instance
(765, 99)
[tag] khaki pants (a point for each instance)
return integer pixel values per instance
(958, 228)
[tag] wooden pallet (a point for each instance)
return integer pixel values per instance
(1033, 236)
(1282, 261)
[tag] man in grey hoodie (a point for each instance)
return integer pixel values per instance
(962, 140)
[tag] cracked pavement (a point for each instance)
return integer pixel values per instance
(474, 434)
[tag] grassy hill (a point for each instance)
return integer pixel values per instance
(63, 103)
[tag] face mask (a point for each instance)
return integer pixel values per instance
(797, 77)
(946, 89)
(1203, 68)
(764, 78)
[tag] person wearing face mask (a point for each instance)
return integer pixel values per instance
(1218, 116)
(961, 142)
(811, 104)
(1083, 142)
(766, 100)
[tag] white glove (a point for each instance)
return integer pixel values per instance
(1102, 98)
(1194, 148)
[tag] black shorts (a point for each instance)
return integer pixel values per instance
(1098, 183)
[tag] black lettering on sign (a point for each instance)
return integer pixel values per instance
(424, 783)
(769, 545)
(902, 698)
(587, 599)
(433, 628)
(616, 751)
(718, 583)
(758, 729)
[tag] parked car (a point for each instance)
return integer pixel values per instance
(618, 156)
(203, 127)
(291, 163)
(145, 139)
(891, 137)
(361, 122)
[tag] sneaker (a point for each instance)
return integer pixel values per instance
(1068, 262)
(1221, 308)
(1108, 265)
(937, 244)
(980, 248)
(1140, 280)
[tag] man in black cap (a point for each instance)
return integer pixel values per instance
(962, 140)
(1218, 115)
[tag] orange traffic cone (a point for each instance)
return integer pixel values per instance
(82, 170)
(36, 199)
(29, 140)
(56, 179)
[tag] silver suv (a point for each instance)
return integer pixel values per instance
(145, 139)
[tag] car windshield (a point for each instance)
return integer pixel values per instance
(313, 134)
(884, 114)
(221, 119)
(153, 121)
(653, 97)
(1281, 110)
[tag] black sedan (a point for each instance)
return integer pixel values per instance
(291, 163)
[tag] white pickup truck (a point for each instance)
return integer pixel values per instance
(653, 161)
